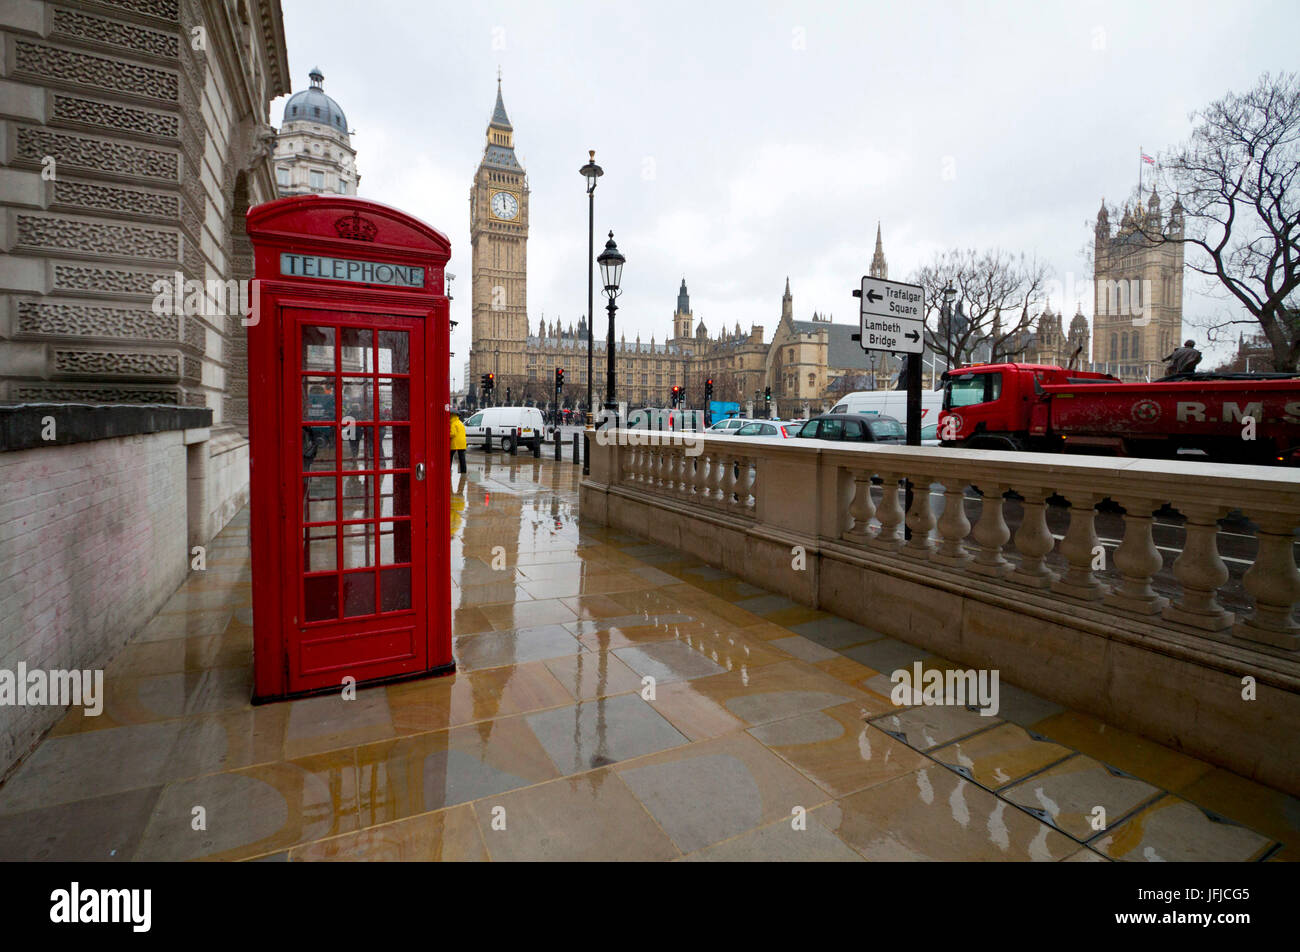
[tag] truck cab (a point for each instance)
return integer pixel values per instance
(999, 406)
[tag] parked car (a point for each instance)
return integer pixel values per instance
(729, 426)
(506, 424)
(766, 428)
(856, 428)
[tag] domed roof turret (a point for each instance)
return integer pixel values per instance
(312, 105)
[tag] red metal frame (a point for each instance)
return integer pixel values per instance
(294, 656)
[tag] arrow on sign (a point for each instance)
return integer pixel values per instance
(873, 297)
(914, 336)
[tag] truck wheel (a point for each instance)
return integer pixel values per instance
(507, 444)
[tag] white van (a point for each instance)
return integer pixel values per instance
(504, 422)
(891, 403)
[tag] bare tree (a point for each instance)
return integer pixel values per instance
(1238, 179)
(999, 295)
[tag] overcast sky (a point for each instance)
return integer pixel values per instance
(743, 142)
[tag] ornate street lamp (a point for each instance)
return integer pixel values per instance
(611, 274)
(591, 171)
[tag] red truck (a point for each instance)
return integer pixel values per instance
(1240, 418)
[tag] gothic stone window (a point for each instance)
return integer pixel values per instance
(317, 178)
(1114, 347)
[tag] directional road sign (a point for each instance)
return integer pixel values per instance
(893, 316)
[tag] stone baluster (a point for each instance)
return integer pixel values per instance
(920, 519)
(703, 464)
(1080, 548)
(681, 472)
(745, 485)
(991, 534)
(1138, 560)
(717, 479)
(953, 526)
(728, 481)
(1274, 583)
(632, 471)
(673, 461)
(862, 509)
(1200, 571)
(1034, 540)
(889, 514)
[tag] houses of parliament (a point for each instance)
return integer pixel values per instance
(806, 362)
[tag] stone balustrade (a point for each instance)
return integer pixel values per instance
(1061, 616)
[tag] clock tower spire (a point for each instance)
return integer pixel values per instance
(498, 230)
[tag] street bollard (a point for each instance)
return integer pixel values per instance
(559, 448)
(487, 440)
(514, 442)
(577, 452)
(586, 453)
(537, 445)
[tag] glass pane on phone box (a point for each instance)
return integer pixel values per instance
(394, 447)
(358, 545)
(318, 448)
(320, 597)
(394, 542)
(358, 496)
(317, 347)
(359, 398)
(320, 553)
(317, 398)
(357, 350)
(318, 503)
(394, 494)
(394, 589)
(358, 594)
(394, 398)
(393, 355)
(358, 447)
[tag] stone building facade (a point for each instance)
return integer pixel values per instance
(313, 150)
(1138, 310)
(136, 136)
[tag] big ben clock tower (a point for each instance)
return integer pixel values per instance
(498, 231)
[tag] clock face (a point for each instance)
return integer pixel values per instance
(505, 206)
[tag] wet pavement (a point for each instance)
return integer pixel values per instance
(770, 735)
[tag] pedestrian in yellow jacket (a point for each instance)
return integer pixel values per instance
(458, 441)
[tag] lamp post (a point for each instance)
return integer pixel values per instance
(949, 294)
(591, 171)
(611, 273)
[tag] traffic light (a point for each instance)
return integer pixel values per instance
(507, 396)
(677, 395)
(484, 384)
(559, 380)
(708, 389)
(767, 395)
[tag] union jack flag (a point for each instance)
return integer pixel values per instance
(1147, 159)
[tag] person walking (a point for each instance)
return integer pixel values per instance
(458, 441)
(1182, 360)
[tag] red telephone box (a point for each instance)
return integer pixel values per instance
(348, 354)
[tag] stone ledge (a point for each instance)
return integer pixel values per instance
(21, 425)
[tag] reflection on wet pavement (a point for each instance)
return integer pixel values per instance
(615, 699)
